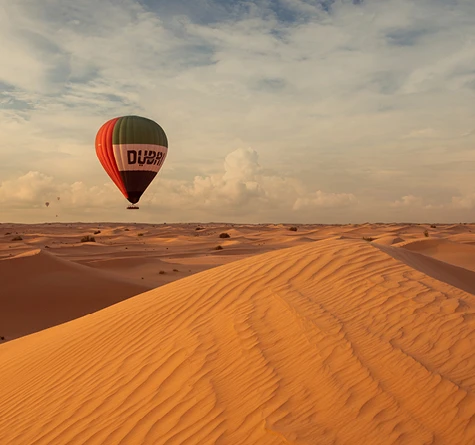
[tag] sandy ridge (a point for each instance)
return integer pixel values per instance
(335, 340)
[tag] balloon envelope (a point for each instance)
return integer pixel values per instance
(132, 150)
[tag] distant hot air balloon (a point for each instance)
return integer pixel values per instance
(131, 149)
(57, 198)
(47, 204)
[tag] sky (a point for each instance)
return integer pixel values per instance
(298, 111)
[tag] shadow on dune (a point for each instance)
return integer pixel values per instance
(40, 290)
(456, 276)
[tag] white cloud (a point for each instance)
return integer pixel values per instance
(421, 133)
(408, 201)
(417, 202)
(464, 202)
(243, 189)
(320, 199)
(32, 188)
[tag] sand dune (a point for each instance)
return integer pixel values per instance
(440, 270)
(334, 341)
(456, 253)
(150, 255)
(388, 240)
(40, 290)
(464, 238)
(155, 255)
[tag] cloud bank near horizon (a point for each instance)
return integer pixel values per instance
(302, 111)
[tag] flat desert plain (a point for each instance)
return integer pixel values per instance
(152, 334)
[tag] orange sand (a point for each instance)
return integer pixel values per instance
(331, 340)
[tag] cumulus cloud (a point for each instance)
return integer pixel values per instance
(465, 202)
(408, 201)
(462, 202)
(417, 202)
(320, 199)
(245, 189)
(242, 190)
(242, 164)
(32, 188)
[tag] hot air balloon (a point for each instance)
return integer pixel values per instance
(132, 150)
(58, 198)
(47, 204)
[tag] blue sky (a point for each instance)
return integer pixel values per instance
(289, 110)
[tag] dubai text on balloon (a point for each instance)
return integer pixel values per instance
(132, 150)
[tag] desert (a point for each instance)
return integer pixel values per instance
(319, 334)
(244, 222)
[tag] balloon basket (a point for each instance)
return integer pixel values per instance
(133, 208)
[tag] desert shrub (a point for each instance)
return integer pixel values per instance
(140, 234)
(293, 229)
(161, 272)
(2, 338)
(176, 270)
(200, 228)
(88, 239)
(426, 232)
(218, 248)
(368, 238)
(17, 238)
(96, 232)
(433, 226)
(8, 233)
(126, 230)
(224, 235)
